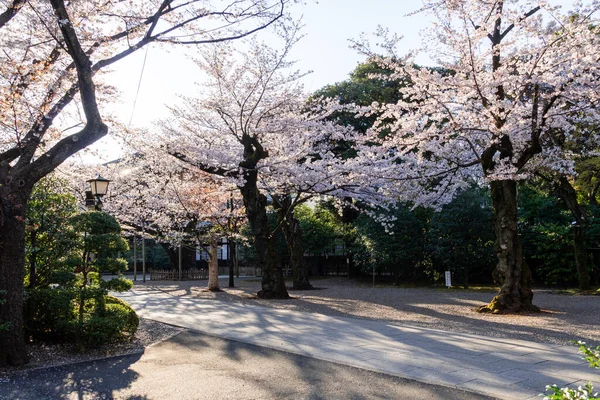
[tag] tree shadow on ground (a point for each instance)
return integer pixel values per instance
(273, 374)
(88, 380)
(566, 318)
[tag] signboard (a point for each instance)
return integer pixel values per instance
(448, 279)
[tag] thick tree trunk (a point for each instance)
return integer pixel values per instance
(213, 266)
(12, 274)
(293, 237)
(511, 272)
(569, 196)
(273, 284)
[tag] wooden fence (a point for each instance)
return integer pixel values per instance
(243, 271)
(173, 274)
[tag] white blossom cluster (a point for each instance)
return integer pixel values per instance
(518, 91)
(255, 97)
(38, 81)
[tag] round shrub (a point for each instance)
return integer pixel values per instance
(117, 285)
(118, 322)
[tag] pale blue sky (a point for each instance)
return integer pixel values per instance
(324, 50)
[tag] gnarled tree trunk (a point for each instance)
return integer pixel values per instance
(13, 203)
(273, 284)
(293, 237)
(511, 272)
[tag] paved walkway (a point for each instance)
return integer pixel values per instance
(508, 369)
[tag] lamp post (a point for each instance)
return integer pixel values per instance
(98, 188)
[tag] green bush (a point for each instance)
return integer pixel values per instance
(117, 323)
(53, 314)
(117, 285)
(50, 314)
(73, 304)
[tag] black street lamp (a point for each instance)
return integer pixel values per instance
(99, 187)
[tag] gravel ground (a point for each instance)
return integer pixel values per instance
(563, 317)
(50, 355)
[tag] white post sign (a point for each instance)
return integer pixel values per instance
(448, 279)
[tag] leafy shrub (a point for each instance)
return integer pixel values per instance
(586, 392)
(117, 285)
(53, 314)
(118, 322)
(50, 313)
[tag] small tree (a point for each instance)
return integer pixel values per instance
(177, 204)
(76, 306)
(50, 237)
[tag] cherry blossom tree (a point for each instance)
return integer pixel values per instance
(521, 86)
(51, 53)
(167, 200)
(253, 127)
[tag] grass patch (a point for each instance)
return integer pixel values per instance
(577, 292)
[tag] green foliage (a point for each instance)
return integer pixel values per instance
(156, 255)
(50, 313)
(361, 89)
(547, 241)
(281, 249)
(588, 179)
(75, 305)
(117, 285)
(320, 228)
(50, 240)
(397, 250)
(460, 237)
(586, 392)
(591, 354)
(117, 322)
(100, 234)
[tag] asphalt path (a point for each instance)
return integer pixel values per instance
(192, 365)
